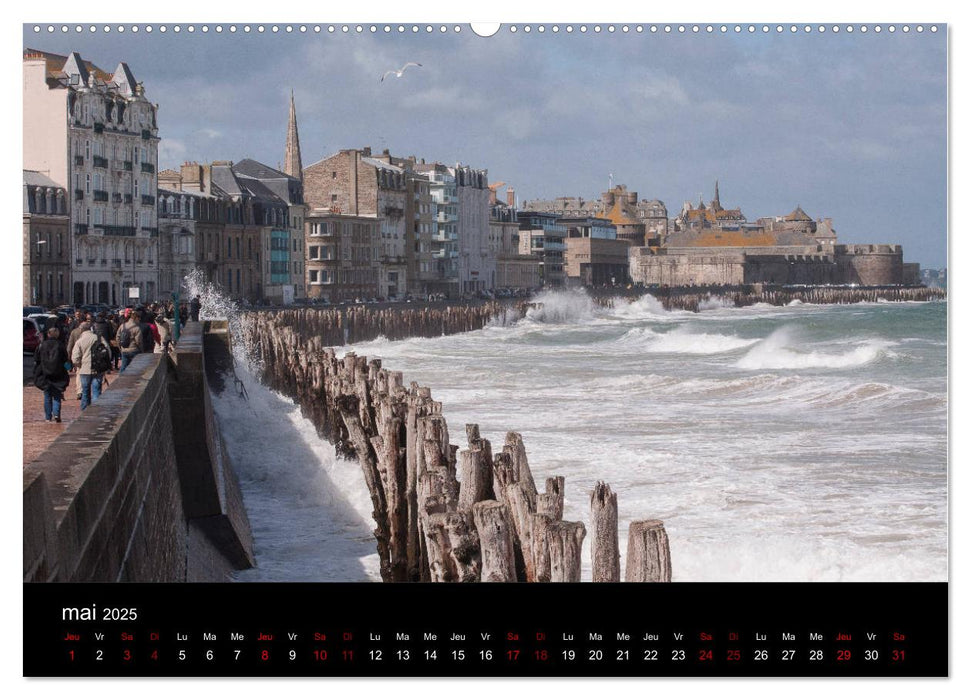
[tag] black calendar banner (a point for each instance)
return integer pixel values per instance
(338, 629)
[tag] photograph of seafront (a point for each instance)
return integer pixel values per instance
(647, 305)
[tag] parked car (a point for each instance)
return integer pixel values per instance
(28, 310)
(45, 322)
(32, 335)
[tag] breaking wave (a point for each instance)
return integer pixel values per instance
(562, 307)
(685, 342)
(715, 302)
(778, 352)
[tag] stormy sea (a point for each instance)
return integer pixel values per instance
(798, 443)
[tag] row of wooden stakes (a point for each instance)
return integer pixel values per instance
(692, 299)
(440, 513)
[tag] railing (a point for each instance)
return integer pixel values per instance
(99, 162)
(116, 198)
(148, 168)
(127, 199)
(98, 127)
(148, 199)
(127, 165)
(116, 230)
(79, 160)
(150, 231)
(100, 195)
(116, 263)
(79, 194)
(146, 134)
(80, 229)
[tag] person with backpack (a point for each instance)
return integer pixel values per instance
(129, 338)
(92, 357)
(82, 318)
(50, 373)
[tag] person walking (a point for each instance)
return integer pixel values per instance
(50, 373)
(129, 338)
(194, 307)
(149, 331)
(92, 357)
(164, 334)
(82, 323)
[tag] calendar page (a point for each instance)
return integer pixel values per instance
(543, 349)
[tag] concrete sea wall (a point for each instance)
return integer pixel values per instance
(138, 488)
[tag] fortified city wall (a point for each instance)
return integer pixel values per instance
(139, 487)
(820, 264)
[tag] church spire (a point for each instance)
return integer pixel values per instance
(291, 160)
(717, 198)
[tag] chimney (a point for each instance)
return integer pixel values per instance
(492, 196)
(191, 174)
(366, 151)
(510, 197)
(632, 198)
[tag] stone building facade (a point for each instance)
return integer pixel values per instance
(356, 183)
(46, 242)
(542, 235)
(343, 255)
(97, 133)
(596, 262)
(514, 270)
(443, 275)
(476, 262)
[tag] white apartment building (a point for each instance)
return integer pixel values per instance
(97, 133)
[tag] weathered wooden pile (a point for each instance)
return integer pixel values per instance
(444, 514)
(355, 324)
(693, 299)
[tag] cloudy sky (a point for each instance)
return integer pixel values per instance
(849, 126)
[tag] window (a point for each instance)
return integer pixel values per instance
(333, 198)
(313, 277)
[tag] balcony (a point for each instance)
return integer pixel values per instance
(127, 165)
(148, 200)
(116, 230)
(116, 198)
(150, 231)
(146, 134)
(148, 168)
(443, 237)
(79, 195)
(79, 160)
(127, 199)
(116, 264)
(80, 229)
(100, 195)
(99, 127)
(100, 162)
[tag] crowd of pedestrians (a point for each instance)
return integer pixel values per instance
(90, 347)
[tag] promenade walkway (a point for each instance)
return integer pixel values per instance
(39, 434)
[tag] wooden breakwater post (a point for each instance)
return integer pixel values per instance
(492, 525)
(648, 552)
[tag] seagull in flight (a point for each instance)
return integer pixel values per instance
(400, 71)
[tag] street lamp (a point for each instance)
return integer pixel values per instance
(37, 291)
